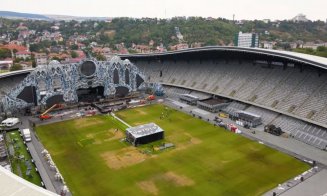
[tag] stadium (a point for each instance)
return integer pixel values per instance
(198, 97)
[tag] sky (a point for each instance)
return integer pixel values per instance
(243, 9)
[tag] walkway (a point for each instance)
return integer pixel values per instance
(38, 162)
(316, 185)
(121, 120)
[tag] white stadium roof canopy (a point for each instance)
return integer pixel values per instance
(299, 57)
(16, 186)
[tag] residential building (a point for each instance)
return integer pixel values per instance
(300, 18)
(12, 46)
(41, 58)
(248, 40)
(313, 45)
(266, 21)
(179, 35)
(196, 45)
(107, 52)
(26, 65)
(23, 55)
(179, 46)
(268, 45)
(141, 48)
(55, 28)
(161, 48)
(6, 64)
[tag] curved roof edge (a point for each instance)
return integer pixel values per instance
(300, 57)
(316, 61)
(14, 73)
(14, 185)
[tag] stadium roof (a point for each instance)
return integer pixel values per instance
(294, 56)
(16, 186)
(13, 73)
(299, 57)
(249, 113)
(190, 96)
(144, 130)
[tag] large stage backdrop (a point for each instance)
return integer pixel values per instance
(85, 81)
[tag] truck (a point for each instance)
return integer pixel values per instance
(272, 129)
(151, 98)
(26, 135)
(45, 114)
(223, 115)
(9, 122)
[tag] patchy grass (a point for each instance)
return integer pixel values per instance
(205, 160)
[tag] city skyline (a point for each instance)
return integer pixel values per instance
(254, 9)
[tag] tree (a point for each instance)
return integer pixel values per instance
(73, 54)
(17, 60)
(33, 64)
(34, 48)
(16, 67)
(56, 58)
(4, 53)
(41, 46)
(54, 43)
(74, 47)
(100, 57)
(321, 49)
(131, 51)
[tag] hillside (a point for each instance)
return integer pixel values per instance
(17, 15)
(209, 32)
(77, 18)
(20, 15)
(150, 33)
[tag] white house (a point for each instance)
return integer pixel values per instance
(23, 54)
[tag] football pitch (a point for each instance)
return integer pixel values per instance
(206, 160)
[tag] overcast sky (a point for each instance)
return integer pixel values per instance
(243, 9)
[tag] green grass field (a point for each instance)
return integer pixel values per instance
(21, 159)
(206, 160)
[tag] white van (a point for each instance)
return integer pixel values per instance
(9, 122)
(26, 135)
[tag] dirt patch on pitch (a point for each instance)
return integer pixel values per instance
(193, 140)
(86, 122)
(114, 134)
(140, 111)
(123, 158)
(58, 152)
(148, 186)
(178, 180)
(138, 123)
(105, 136)
(187, 143)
